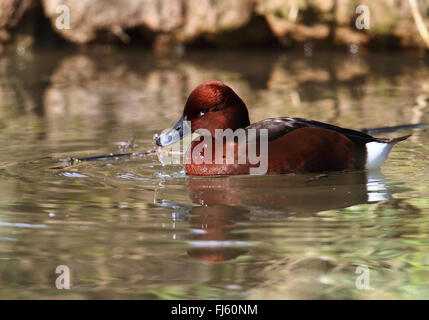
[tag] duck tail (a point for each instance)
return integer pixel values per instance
(393, 141)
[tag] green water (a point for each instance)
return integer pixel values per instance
(137, 229)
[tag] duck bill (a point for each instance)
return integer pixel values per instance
(180, 130)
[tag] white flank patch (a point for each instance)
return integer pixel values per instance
(377, 153)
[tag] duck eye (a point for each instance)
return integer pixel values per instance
(203, 112)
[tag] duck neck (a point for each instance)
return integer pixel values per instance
(237, 116)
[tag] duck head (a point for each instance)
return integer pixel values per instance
(211, 105)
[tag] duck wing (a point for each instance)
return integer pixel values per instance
(278, 127)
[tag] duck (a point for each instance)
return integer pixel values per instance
(293, 145)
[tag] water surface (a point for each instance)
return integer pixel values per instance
(137, 229)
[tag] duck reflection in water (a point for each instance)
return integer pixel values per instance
(227, 203)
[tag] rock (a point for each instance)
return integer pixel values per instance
(11, 12)
(171, 24)
(185, 19)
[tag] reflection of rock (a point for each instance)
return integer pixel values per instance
(84, 93)
(332, 88)
(136, 90)
(22, 85)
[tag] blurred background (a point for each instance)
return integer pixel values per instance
(83, 78)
